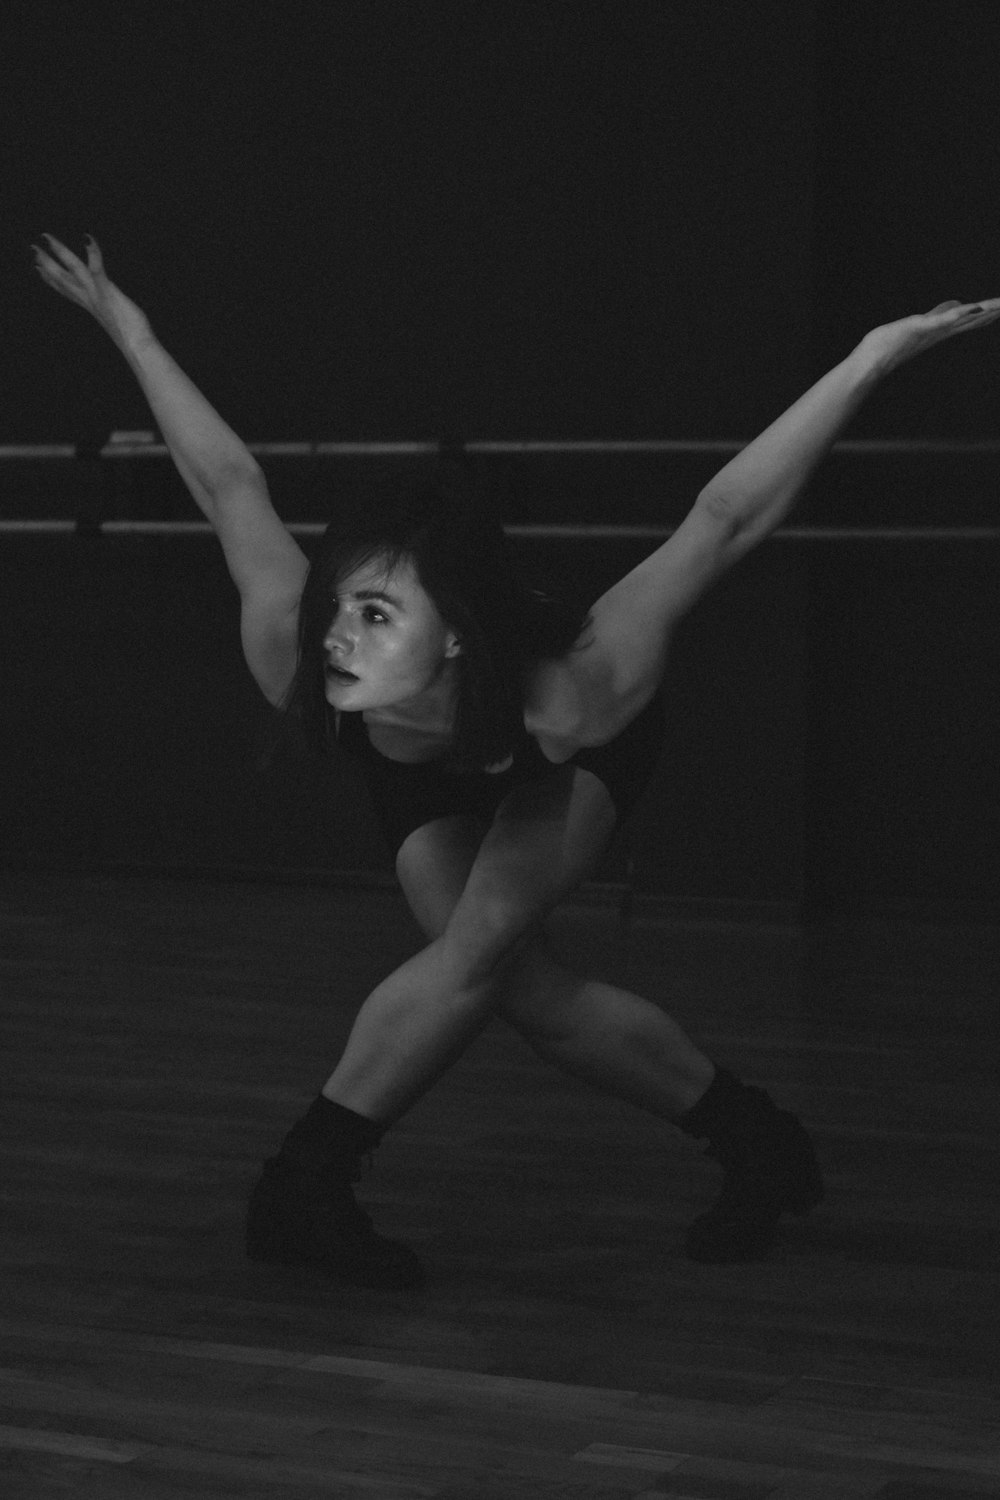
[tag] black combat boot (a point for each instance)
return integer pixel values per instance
(303, 1212)
(770, 1169)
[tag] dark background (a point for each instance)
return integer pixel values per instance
(380, 218)
(535, 218)
(518, 220)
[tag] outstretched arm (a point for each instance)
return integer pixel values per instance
(756, 490)
(225, 480)
(633, 622)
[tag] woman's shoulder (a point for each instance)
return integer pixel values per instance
(569, 703)
(579, 700)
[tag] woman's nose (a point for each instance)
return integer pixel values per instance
(338, 637)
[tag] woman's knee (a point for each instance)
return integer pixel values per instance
(492, 926)
(491, 948)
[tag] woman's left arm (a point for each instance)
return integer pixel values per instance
(756, 490)
(631, 625)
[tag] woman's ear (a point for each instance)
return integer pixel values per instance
(452, 646)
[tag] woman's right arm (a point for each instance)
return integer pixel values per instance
(265, 562)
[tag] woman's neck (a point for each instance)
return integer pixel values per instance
(430, 714)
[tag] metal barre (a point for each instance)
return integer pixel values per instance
(512, 446)
(577, 531)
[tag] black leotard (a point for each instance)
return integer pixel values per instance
(406, 796)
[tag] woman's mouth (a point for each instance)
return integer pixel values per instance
(340, 674)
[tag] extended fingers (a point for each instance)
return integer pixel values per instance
(978, 314)
(988, 305)
(65, 272)
(95, 260)
(61, 257)
(63, 254)
(963, 309)
(49, 268)
(963, 317)
(60, 269)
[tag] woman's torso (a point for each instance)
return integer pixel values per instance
(407, 769)
(551, 719)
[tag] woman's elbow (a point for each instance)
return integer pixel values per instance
(241, 472)
(723, 511)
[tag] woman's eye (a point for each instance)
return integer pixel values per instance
(376, 615)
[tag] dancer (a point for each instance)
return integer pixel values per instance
(503, 739)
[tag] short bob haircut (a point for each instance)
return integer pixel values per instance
(453, 536)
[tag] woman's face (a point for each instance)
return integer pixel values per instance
(387, 645)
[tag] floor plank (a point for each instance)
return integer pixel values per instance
(160, 1035)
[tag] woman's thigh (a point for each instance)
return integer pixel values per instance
(489, 889)
(546, 839)
(537, 994)
(432, 866)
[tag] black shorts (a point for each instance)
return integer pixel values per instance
(408, 796)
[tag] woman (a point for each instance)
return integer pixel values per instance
(503, 741)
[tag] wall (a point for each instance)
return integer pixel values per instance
(375, 218)
(907, 198)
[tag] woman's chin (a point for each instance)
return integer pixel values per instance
(337, 689)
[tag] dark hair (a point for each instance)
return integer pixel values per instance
(455, 540)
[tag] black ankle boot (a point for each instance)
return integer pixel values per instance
(770, 1168)
(303, 1211)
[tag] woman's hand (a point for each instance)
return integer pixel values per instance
(86, 284)
(895, 343)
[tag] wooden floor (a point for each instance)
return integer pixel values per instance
(161, 1035)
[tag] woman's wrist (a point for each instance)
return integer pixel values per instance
(872, 359)
(139, 347)
(134, 341)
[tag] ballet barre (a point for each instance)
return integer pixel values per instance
(140, 446)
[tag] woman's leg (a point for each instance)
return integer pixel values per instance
(629, 1047)
(609, 1037)
(544, 841)
(499, 962)
(612, 1039)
